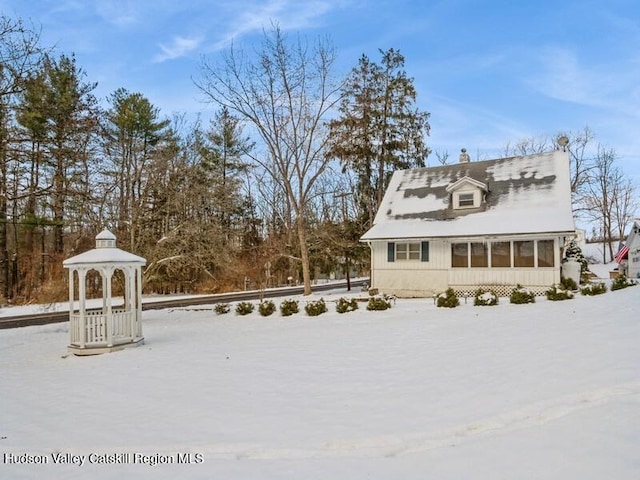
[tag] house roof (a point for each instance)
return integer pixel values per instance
(524, 195)
(633, 237)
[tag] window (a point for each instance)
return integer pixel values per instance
(459, 255)
(408, 251)
(501, 254)
(479, 255)
(523, 254)
(466, 200)
(545, 253)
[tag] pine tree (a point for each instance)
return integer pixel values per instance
(573, 251)
(379, 129)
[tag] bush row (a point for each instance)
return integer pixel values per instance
(483, 297)
(312, 308)
(520, 295)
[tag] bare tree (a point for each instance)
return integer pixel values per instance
(600, 195)
(581, 158)
(285, 92)
(20, 54)
(625, 205)
(580, 145)
(442, 157)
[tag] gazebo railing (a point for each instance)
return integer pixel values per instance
(94, 324)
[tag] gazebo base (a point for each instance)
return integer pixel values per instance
(97, 350)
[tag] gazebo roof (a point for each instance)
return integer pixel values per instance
(105, 252)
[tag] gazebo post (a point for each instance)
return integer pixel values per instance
(138, 309)
(129, 297)
(108, 312)
(82, 295)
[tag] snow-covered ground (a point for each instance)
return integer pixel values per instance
(543, 391)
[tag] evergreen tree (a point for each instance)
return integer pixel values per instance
(135, 137)
(379, 129)
(574, 251)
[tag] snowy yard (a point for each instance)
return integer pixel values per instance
(543, 391)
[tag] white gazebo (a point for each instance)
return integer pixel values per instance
(108, 327)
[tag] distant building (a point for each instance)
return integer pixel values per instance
(495, 224)
(633, 255)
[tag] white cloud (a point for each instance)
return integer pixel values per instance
(120, 12)
(288, 14)
(179, 47)
(612, 85)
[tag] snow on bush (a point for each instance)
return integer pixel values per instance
(558, 292)
(315, 308)
(244, 308)
(521, 295)
(379, 303)
(485, 298)
(289, 307)
(222, 308)
(345, 305)
(266, 308)
(448, 299)
(593, 288)
(622, 282)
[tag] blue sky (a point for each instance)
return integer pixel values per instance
(489, 72)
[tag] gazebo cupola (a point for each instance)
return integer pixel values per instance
(108, 327)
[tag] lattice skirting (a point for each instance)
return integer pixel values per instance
(500, 290)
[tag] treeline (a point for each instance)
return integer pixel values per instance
(276, 188)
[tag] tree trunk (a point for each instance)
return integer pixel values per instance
(304, 255)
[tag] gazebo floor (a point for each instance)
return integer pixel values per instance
(99, 349)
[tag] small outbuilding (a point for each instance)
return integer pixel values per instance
(631, 253)
(106, 327)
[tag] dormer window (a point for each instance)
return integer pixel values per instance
(466, 193)
(466, 200)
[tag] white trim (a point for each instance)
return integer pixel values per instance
(466, 181)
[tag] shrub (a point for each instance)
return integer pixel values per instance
(557, 292)
(568, 283)
(315, 308)
(378, 303)
(222, 308)
(521, 295)
(448, 299)
(266, 308)
(244, 308)
(345, 305)
(621, 282)
(289, 307)
(574, 251)
(595, 288)
(485, 298)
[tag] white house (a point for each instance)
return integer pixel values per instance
(633, 257)
(495, 223)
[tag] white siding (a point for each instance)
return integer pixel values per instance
(413, 278)
(634, 257)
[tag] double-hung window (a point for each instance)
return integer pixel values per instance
(466, 200)
(406, 251)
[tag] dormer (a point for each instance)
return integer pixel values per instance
(467, 193)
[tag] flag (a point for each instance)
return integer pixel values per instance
(622, 252)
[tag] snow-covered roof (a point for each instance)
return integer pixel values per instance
(525, 195)
(633, 237)
(105, 252)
